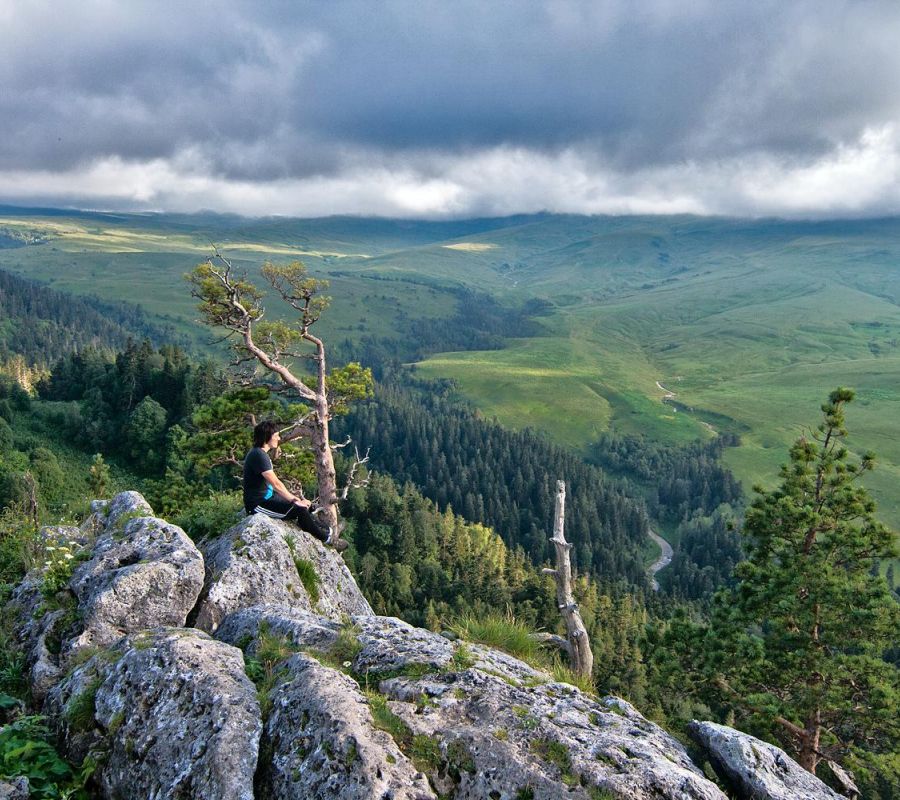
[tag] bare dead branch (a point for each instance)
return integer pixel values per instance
(352, 482)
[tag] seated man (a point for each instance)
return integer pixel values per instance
(264, 493)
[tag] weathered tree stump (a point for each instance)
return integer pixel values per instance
(579, 647)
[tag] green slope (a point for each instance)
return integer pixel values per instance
(750, 324)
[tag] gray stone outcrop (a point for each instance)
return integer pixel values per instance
(124, 504)
(174, 712)
(299, 628)
(492, 736)
(35, 628)
(255, 562)
(324, 743)
(485, 723)
(389, 644)
(144, 573)
(757, 769)
(14, 789)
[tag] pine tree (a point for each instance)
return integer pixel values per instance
(799, 642)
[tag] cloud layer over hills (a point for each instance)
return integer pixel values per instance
(466, 108)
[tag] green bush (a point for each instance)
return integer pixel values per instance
(6, 436)
(21, 547)
(25, 749)
(49, 476)
(211, 516)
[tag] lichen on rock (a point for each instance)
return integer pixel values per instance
(757, 769)
(254, 563)
(172, 712)
(144, 573)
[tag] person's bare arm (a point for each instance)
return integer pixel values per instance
(275, 482)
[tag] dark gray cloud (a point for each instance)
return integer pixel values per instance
(641, 106)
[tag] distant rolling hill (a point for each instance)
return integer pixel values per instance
(748, 323)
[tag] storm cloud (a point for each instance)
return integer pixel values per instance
(453, 108)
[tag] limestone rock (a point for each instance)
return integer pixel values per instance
(123, 505)
(144, 573)
(757, 769)
(492, 738)
(35, 628)
(254, 563)
(176, 713)
(14, 789)
(300, 628)
(508, 667)
(390, 644)
(324, 744)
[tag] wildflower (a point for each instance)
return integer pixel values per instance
(69, 555)
(347, 663)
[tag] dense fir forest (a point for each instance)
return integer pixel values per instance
(416, 432)
(504, 479)
(480, 323)
(41, 324)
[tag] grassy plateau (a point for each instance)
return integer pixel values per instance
(674, 327)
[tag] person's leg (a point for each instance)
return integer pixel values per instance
(278, 508)
(310, 524)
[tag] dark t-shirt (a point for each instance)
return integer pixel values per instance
(256, 462)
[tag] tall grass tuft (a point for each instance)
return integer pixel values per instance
(502, 631)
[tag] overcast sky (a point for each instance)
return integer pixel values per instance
(453, 108)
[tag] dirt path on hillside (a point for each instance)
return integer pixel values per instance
(663, 561)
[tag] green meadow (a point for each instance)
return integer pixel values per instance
(749, 324)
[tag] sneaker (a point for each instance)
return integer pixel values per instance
(334, 540)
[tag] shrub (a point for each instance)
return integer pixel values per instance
(25, 749)
(211, 516)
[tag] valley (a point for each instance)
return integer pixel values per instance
(748, 323)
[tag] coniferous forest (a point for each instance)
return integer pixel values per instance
(453, 521)
(40, 324)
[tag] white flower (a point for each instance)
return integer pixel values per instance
(347, 663)
(69, 555)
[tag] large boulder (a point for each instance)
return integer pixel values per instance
(299, 628)
(173, 711)
(257, 561)
(324, 742)
(144, 573)
(491, 736)
(755, 769)
(479, 722)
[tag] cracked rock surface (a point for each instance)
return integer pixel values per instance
(324, 743)
(300, 628)
(174, 712)
(255, 562)
(757, 769)
(144, 573)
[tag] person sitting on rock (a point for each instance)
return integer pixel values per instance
(264, 493)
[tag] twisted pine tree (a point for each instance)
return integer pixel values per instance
(798, 642)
